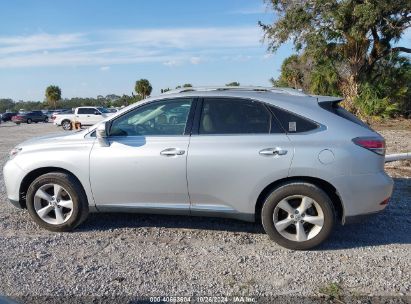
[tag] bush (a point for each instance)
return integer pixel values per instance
(370, 104)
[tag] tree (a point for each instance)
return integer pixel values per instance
(143, 88)
(53, 94)
(354, 35)
(233, 84)
(187, 85)
(165, 90)
(314, 76)
(6, 104)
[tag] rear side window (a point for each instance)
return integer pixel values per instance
(293, 123)
(86, 111)
(235, 116)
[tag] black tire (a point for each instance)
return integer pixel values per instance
(73, 188)
(29, 120)
(289, 190)
(46, 119)
(66, 125)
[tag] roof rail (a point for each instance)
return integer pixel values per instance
(288, 91)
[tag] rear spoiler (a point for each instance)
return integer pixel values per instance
(328, 102)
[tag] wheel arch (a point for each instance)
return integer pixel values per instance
(328, 188)
(32, 175)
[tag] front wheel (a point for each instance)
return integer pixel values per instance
(298, 215)
(29, 120)
(56, 201)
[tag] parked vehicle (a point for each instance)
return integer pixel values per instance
(29, 117)
(86, 116)
(7, 116)
(299, 163)
(112, 110)
(59, 112)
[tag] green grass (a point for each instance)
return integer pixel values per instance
(332, 290)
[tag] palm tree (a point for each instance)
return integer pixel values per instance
(53, 94)
(143, 88)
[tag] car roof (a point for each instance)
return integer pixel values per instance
(288, 98)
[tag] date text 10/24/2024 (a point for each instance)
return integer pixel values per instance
(202, 299)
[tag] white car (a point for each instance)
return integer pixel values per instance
(86, 116)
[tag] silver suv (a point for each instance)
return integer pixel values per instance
(297, 162)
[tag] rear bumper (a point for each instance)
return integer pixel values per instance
(363, 194)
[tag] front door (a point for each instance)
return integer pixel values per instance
(144, 167)
(87, 116)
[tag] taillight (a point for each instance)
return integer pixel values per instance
(374, 144)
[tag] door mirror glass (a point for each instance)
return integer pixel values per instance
(102, 134)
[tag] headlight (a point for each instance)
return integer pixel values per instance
(14, 152)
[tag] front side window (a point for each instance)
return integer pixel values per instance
(158, 118)
(234, 116)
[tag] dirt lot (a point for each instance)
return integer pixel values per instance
(114, 255)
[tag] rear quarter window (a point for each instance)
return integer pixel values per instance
(293, 123)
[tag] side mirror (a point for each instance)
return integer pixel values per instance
(102, 134)
(97, 113)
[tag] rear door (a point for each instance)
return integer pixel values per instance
(237, 150)
(86, 116)
(37, 116)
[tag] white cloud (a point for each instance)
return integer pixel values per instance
(171, 47)
(195, 60)
(104, 68)
(261, 9)
(267, 56)
(172, 63)
(38, 42)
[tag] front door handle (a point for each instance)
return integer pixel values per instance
(172, 152)
(273, 151)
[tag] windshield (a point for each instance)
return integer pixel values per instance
(103, 110)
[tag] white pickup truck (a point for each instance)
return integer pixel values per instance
(86, 116)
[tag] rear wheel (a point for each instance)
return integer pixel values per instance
(66, 124)
(298, 216)
(56, 201)
(29, 120)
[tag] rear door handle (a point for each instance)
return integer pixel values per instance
(172, 152)
(273, 151)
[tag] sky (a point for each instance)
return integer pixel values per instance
(100, 47)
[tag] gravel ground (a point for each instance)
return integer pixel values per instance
(114, 255)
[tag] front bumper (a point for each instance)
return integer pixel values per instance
(363, 194)
(13, 176)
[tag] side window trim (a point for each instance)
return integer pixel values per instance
(189, 122)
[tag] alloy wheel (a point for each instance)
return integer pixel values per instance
(53, 204)
(298, 218)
